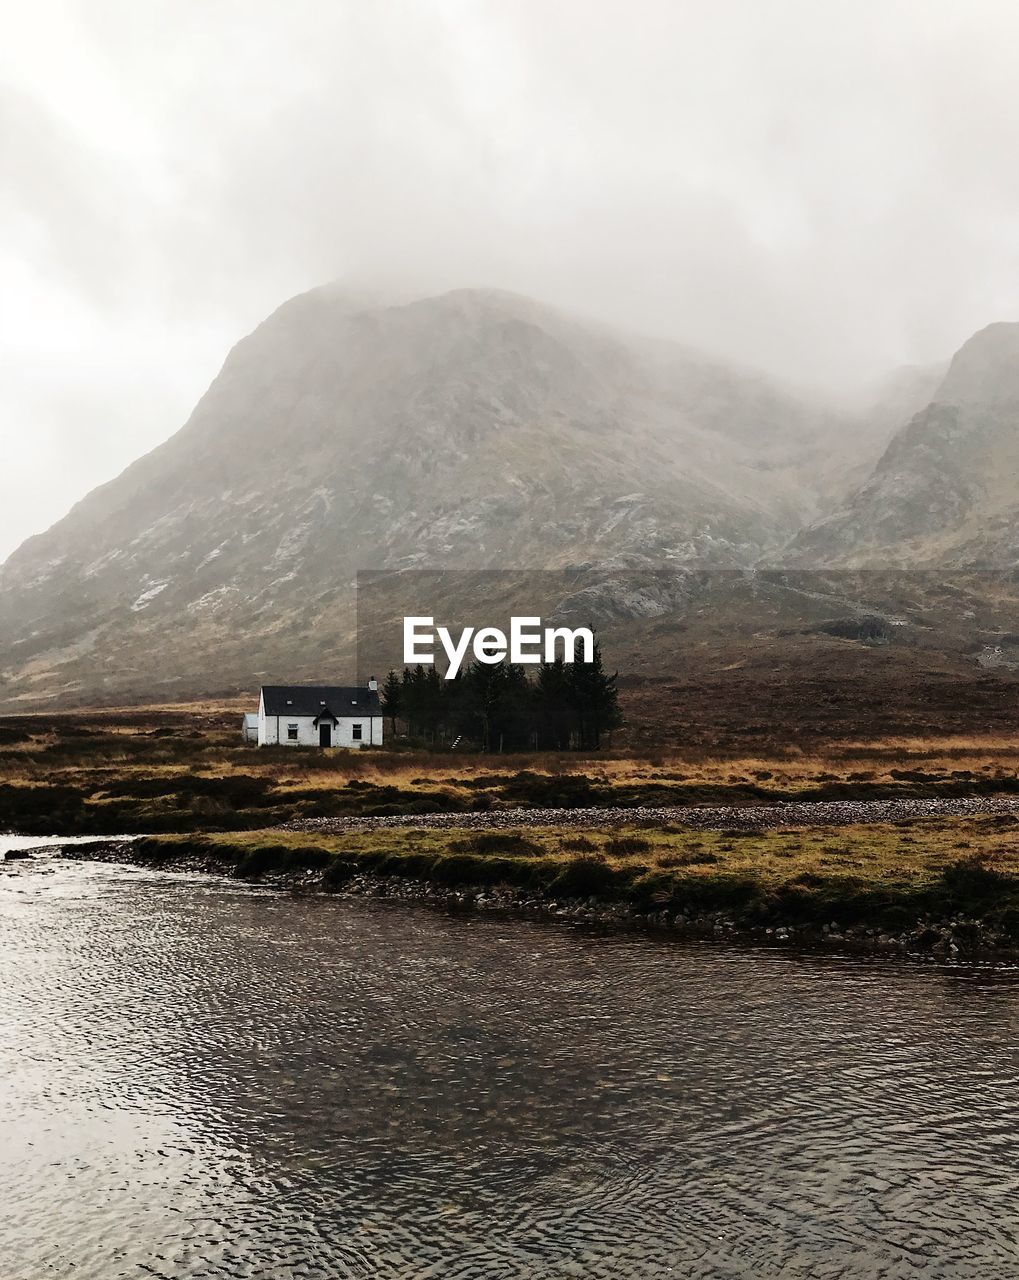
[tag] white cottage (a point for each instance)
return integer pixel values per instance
(311, 715)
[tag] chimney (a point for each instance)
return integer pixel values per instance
(373, 685)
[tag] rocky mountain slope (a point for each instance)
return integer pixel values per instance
(945, 493)
(475, 429)
(480, 430)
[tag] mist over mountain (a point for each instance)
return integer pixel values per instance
(475, 429)
(945, 493)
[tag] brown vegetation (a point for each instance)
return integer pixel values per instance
(184, 769)
(889, 875)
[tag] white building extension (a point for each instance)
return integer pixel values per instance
(320, 715)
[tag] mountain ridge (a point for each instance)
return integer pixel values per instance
(945, 492)
(473, 429)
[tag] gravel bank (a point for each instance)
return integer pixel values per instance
(819, 813)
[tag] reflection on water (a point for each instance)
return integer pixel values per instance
(207, 1080)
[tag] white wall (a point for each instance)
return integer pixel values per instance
(307, 730)
(371, 731)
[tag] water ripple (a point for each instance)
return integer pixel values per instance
(208, 1080)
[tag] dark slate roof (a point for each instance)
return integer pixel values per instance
(308, 699)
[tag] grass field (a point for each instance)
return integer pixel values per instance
(180, 776)
(183, 769)
(885, 874)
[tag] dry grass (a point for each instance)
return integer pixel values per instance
(184, 768)
(885, 873)
(914, 852)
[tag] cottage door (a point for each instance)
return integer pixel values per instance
(325, 735)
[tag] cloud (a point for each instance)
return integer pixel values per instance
(825, 191)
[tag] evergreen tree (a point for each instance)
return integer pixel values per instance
(515, 710)
(497, 707)
(392, 699)
(493, 706)
(432, 702)
(479, 701)
(414, 698)
(595, 700)
(554, 716)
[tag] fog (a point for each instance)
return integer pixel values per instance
(824, 190)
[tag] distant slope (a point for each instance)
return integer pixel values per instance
(475, 429)
(945, 493)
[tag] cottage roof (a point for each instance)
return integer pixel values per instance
(313, 699)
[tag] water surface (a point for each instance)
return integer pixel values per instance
(203, 1079)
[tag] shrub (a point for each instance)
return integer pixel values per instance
(1009, 922)
(971, 882)
(625, 846)
(563, 791)
(687, 858)
(585, 876)
(338, 873)
(411, 862)
(489, 842)
(279, 857)
(39, 800)
(308, 857)
(459, 868)
(10, 734)
(153, 849)
(578, 844)
(720, 893)
(654, 889)
(260, 859)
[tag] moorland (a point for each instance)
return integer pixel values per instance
(179, 776)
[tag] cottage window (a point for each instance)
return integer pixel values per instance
(291, 732)
(355, 732)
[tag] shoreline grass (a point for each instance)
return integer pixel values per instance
(886, 875)
(196, 792)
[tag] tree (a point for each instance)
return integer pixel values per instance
(433, 702)
(554, 716)
(424, 701)
(499, 708)
(413, 697)
(492, 705)
(392, 699)
(595, 700)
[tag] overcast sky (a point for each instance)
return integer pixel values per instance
(823, 189)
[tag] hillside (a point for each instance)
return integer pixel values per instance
(945, 493)
(476, 429)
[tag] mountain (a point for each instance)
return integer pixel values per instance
(945, 493)
(475, 429)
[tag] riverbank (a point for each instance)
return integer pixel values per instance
(902, 843)
(925, 884)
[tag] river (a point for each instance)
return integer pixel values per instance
(207, 1079)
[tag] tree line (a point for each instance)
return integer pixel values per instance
(498, 708)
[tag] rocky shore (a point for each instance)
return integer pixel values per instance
(944, 938)
(808, 813)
